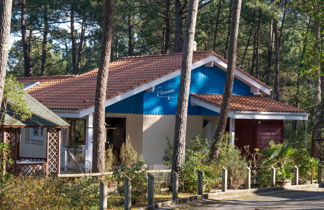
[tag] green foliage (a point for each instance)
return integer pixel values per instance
(128, 155)
(110, 159)
(14, 99)
(132, 167)
(167, 155)
(5, 159)
(49, 193)
(230, 157)
(197, 159)
(284, 157)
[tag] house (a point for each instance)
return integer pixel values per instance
(35, 142)
(142, 99)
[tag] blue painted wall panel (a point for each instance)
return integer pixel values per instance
(163, 99)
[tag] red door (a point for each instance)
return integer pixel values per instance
(245, 133)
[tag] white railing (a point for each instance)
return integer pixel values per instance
(73, 160)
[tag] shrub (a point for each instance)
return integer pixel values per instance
(197, 159)
(49, 193)
(230, 157)
(284, 157)
(132, 167)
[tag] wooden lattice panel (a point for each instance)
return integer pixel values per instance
(53, 155)
(11, 137)
(38, 169)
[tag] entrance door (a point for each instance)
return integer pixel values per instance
(245, 134)
(116, 129)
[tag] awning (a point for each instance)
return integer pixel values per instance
(250, 107)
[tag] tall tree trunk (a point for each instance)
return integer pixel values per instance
(248, 42)
(99, 130)
(25, 43)
(278, 39)
(318, 80)
(270, 49)
(252, 67)
(229, 29)
(73, 41)
(230, 73)
(183, 98)
(81, 43)
(167, 31)
(44, 42)
(130, 36)
(258, 47)
(178, 26)
(219, 7)
(5, 21)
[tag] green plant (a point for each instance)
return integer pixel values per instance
(49, 193)
(230, 157)
(109, 159)
(132, 167)
(197, 159)
(5, 159)
(14, 100)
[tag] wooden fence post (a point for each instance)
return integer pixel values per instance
(224, 180)
(128, 194)
(248, 180)
(150, 191)
(296, 175)
(175, 184)
(103, 195)
(200, 183)
(273, 177)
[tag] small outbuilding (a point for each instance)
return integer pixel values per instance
(35, 142)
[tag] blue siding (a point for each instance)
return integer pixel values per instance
(163, 99)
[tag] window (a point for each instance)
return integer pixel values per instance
(77, 132)
(37, 135)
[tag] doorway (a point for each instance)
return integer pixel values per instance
(116, 134)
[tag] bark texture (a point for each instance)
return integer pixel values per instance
(318, 79)
(25, 40)
(44, 42)
(230, 73)
(178, 26)
(167, 31)
(182, 108)
(73, 42)
(5, 21)
(99, 130)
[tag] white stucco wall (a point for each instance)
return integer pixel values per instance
(157, 129)
(32, 149)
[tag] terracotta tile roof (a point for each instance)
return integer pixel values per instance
(249, 103)
(77, 92)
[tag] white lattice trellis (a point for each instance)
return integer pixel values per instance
(53, 155)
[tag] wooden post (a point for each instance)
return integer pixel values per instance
(320, 174)
(312, 176)
(273, 177)
(175, 184)
(103, 196)
(200, 183)
(248, 179)
(150, 191)
(128, 194)
(296, 175)
(224, 180)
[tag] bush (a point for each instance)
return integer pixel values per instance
(284, 157)
(197, 159)
(230, 158)
(132, 167)
(49, 193)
